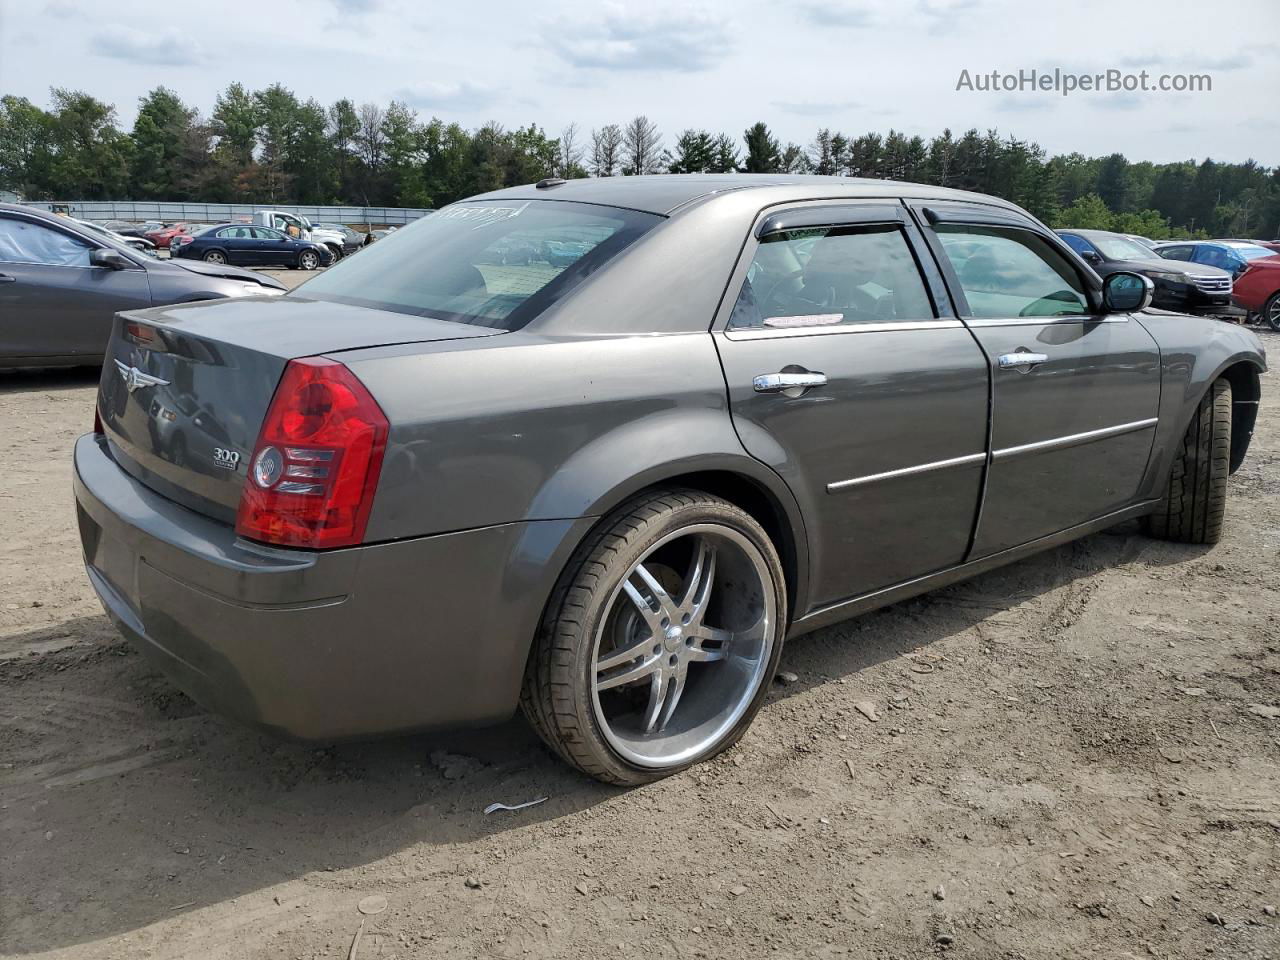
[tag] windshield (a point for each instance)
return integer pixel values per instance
(1249, 251)
(484, 263)
(1122, 248)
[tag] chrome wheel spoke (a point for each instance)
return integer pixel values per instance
(638, 672)
(675, 687)
(702, 574)
(617, 657)
(655, 589)
(657, 694)
(652, 617)
(706, 654)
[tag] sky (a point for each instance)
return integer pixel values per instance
(851, 65)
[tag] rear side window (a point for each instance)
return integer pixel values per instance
(483, 263)
(235, 233)
(22, 241)
(832, 276)
(1011, 273)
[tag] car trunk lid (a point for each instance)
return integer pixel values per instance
(185, 388)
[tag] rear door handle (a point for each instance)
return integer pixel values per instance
(782, 382)
(5, 278)
(1022, 359)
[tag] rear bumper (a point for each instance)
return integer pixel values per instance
(417, 634)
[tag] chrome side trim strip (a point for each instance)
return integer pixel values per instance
(1075, 439)
(766, 333)
(1041, 321)
(906, 472)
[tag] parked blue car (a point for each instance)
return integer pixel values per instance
(246, 245)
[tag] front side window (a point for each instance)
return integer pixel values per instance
(1175, 253)
(22, 241)
(1011, 273)
(483, 262)
(266, 233)
(832, 276)
(1079, 244)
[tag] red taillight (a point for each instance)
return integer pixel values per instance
(316, 464)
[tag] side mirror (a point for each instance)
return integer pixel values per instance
(110, 259)
(1091, 257)
(1125, 292)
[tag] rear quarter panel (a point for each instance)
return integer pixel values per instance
(523, 427)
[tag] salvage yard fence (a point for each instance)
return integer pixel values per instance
(170, 212)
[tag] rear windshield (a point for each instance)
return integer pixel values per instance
(483, 263)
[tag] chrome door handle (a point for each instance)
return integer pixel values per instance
(781, 382)
(1012, 361)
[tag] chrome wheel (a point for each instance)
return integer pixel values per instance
(308, 261)
(1271, 312)
(684, 646)
(215, 256)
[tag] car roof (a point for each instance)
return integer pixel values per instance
(665, 194)
(1091, 233)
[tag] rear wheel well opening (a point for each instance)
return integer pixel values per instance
(1246, 391)
(760, 503)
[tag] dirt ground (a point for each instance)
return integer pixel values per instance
(1078, 755)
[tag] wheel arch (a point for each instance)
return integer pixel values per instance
(740, 480)
(1246, 392)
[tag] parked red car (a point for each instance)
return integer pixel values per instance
(162, 236)
(1256, 269)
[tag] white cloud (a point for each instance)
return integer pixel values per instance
(627, 39)
(134, 46)
(462, 96)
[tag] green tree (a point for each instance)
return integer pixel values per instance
(695, 153)
(763, 154)
(1087, 213)
(90, 156)
(25, 158)
(725, 155)
(161, 137)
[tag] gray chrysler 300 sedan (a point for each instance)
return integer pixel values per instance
(597, 448)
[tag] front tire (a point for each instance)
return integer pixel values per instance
(1195, 503)
(658, 644)
(1271, 312)
(308, 260)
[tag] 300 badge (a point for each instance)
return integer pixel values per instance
(227, 459)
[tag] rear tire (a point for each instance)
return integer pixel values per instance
(214, 256)
(1195, 504)
(698, 652)
(1271, 312)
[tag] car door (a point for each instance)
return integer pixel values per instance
(1075, 390)
(53, 302)
(274, 247)
(849, 378)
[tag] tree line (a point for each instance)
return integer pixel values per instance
(268, 146)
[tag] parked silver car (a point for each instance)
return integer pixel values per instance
(61, 282)
(608, 478)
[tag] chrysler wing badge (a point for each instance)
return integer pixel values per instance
(135, 379)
